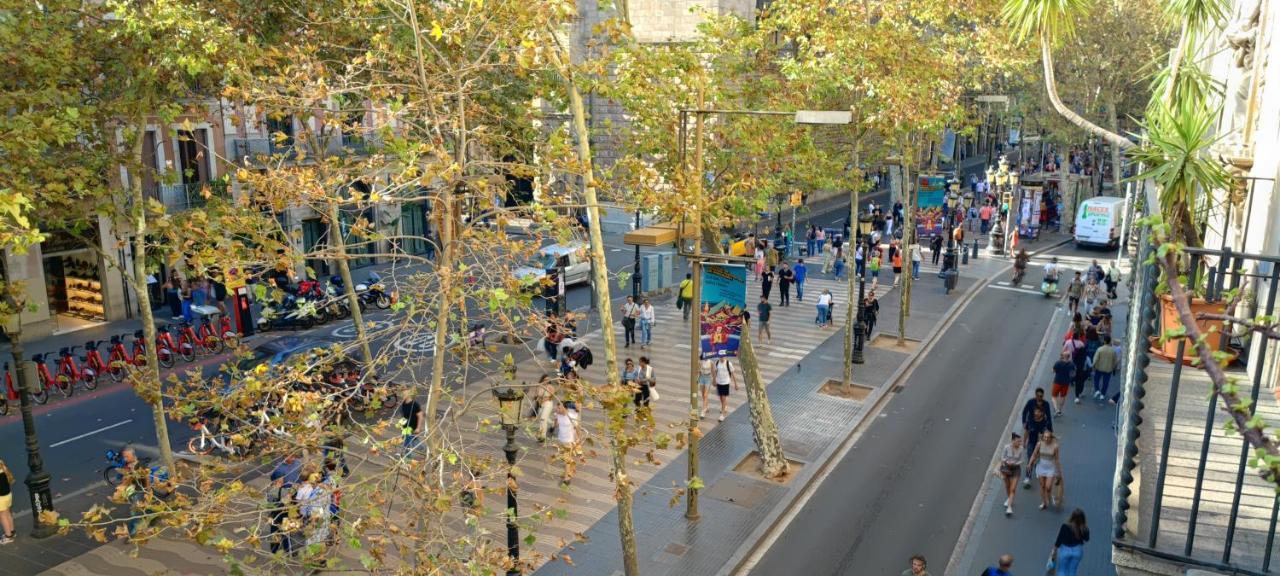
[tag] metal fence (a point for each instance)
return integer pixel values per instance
(1185, 489)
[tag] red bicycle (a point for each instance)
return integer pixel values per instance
(47, 381)
(93, 359)
(191, 344)
(69, 371)
(165, 346)
(220, 337)
(119, 358)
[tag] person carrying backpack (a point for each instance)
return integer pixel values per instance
(1002, 567)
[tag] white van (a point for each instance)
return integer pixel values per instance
(571, 259)
(1098, 221)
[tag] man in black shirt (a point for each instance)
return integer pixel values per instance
(411, 413)
(1036, 418)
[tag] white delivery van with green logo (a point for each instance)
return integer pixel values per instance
(1098, 221)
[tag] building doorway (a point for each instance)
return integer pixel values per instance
(73, 283)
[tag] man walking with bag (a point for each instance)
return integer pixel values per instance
(630, 314)
(686, 294)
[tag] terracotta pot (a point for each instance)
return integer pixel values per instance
(1169, 318)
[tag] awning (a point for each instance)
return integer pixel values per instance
(656, 235)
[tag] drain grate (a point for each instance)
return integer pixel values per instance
(896, 389)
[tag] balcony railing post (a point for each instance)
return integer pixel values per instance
(1135, 389)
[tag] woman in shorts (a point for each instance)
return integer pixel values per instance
(1010, 470)
(704, 380)
(6, 502)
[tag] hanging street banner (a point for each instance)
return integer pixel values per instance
(724, 299)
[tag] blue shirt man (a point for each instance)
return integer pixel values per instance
(800, 273)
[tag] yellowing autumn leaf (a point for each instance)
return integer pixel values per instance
(436, 31)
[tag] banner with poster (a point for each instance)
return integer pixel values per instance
(724, 300)
(931, 193)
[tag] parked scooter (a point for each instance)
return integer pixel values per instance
(336, 290)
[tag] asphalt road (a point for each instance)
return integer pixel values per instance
(908, 484)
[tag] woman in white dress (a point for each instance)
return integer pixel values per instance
(1048, 466)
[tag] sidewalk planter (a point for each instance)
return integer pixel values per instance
(1169, 318)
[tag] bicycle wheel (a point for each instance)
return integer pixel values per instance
(91, 379)
(186, 348)
(66, 386)
(4, 405)
(41, 396)
(231, 340)
(213, 344)
(200, 445)
(116, 369)
(165, 357)
(112, 475)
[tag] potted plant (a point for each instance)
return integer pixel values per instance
(1177, 156)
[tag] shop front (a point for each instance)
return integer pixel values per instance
(73, 282)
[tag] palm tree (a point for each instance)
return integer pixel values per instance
(1052, 21)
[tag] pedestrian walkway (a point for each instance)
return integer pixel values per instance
(1087, 436)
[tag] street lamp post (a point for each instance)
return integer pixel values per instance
(949, 261)
(509, 408)
(636, 277)
(37, 479)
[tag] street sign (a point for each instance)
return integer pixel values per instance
(797, 199)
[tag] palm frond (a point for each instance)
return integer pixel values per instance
(1056, 19)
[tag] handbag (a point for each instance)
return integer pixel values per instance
(653, 393)
(1049, 567)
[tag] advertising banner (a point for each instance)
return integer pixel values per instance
(724, 299)
(931, 193)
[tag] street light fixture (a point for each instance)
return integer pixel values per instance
(860, 322)
(510, 402)
(949, 260)
(37, 479)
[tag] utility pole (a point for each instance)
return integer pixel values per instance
(37, 479)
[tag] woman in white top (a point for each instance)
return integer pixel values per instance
(1048, 466)
(724, 377)
(567, 435)
(1010, 470)
(647, 317)
(824, 309)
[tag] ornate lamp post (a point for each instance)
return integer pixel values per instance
(37, 479)
(509, 408)
(949, 260)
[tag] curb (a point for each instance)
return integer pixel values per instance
(761, 539)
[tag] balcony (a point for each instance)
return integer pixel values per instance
(256, 151)
(360, 143)
(186, 195)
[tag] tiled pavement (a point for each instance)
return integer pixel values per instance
(1088, 462)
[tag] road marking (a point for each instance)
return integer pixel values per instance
(1022, 290)
(88, 434)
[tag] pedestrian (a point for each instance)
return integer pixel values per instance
(724, 377)
(870, 311)
(279, 498)
(1064, 374)
(630, 315)
(1002, 567)
(554, 335)
(646, 382)
(874, 266)
(1084, 369)
(827, 255)
(544, 402)
(824, 308)
(895, 258)
(1068, 548)
(1112, 279)
(1104, 362)
(1010, 469)
(1095, 272)
(567, 419)
(839, 263)
(820, 238)
(763, 311)
(185, 294)
(985, 215)
(647, 318)
(685, 300)
(759, 256)
(935, 246)
(918, 565)
(766, 282)
(1091, 293)
(1047, 460)
(785, 279)
(705, 369)
(411, 424)
(1074, 290)
(171, 297)
(1035, 419)
(916, 257)
(800, 273)
(7, 482)
(859, 261)
(811, 240)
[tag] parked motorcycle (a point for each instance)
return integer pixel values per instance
(288, 312)
(374, 292)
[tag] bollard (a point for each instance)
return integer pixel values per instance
(975, 249)
(964, 255)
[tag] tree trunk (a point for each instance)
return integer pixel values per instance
(600, 286)
(147, 379)
(344, 270)
(764, 430)
(908, 238)
(850, 250)
(1051, 85)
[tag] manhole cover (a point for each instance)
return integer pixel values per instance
(833, 387)
(739, 490)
